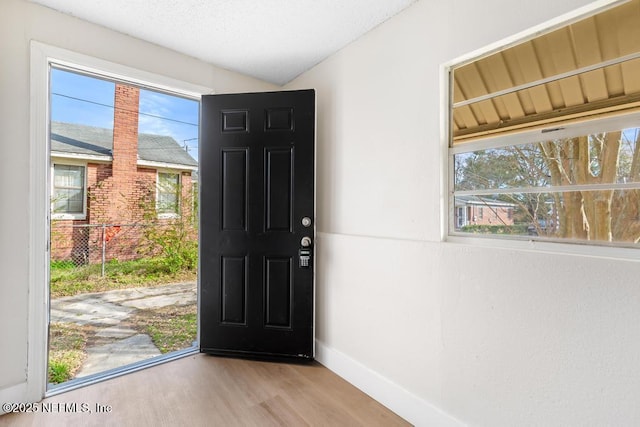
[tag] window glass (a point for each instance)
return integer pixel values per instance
(168, 193)
(585, 188)
(68, 189)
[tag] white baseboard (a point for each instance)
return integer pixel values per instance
(407, 405)
(13, 394)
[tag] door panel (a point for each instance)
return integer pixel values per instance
(257, 183)
(278, 289)
(278, 188)
(234, 290)
(234, 189)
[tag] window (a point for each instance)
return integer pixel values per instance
(168, 194)
(549, 138)
(581, 186)
(68, 201)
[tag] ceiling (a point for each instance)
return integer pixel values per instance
(274, 40)
(590, 67)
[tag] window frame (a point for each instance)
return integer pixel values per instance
(67, 215)
(178, 213)
(596, 125)
(447, 149)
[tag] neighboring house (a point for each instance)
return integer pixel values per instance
(113, 176)
(473, 210)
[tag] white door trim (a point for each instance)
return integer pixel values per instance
(42, 56)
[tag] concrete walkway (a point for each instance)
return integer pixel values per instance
(108, 312)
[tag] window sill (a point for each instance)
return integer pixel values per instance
(76, 217)
(549, 247)
(168, 216)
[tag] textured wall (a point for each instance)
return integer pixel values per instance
(21, 22)
(494, 337)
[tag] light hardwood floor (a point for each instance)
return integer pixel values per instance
(202, 390)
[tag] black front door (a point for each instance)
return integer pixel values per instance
(257, 222)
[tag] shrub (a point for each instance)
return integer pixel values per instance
(518, 229)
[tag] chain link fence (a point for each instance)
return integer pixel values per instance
(78, 245)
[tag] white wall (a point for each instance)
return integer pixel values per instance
(489, 336)
(493, 337)
(21, 22)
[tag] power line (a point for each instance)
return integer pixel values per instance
(123, 109)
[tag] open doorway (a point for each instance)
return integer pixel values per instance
(124, 226)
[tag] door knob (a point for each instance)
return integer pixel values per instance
(305, 242)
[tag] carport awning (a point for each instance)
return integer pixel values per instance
(586, 69)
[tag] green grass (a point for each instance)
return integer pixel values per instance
(62, 265)
(170, 328)
(66, 350)
(69, 280)
(518, 229)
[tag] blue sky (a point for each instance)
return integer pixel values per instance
(76, 98)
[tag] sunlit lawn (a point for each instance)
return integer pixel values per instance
(171, 328)
(66, 279)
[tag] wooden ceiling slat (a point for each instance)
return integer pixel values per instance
(558, 49)
(458, 93)
(526, 102)
(497, 76)
(530, 68)
(477, 113)
(489, 111)
(628, 29)
(615, 84)
(464, 116)
(606, 36)
(631, 77)
(486, 111)
(606, 26)
(544, 49)
(512, 103)
(494, 75)
(470, 82)
(595, 85)
(501, 109)
(627, 26)
(474, 85)
(586, 45)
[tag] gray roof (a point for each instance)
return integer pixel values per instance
(88, 140)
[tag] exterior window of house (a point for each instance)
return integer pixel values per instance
(480, 213)
(168, 194)
(68, 191)
(552, 136)
(460, 217)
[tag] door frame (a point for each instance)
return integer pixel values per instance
(42, 56)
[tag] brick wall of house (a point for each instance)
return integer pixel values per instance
(187, 196)
(125, 132)
(490, 215)
(120, 194)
